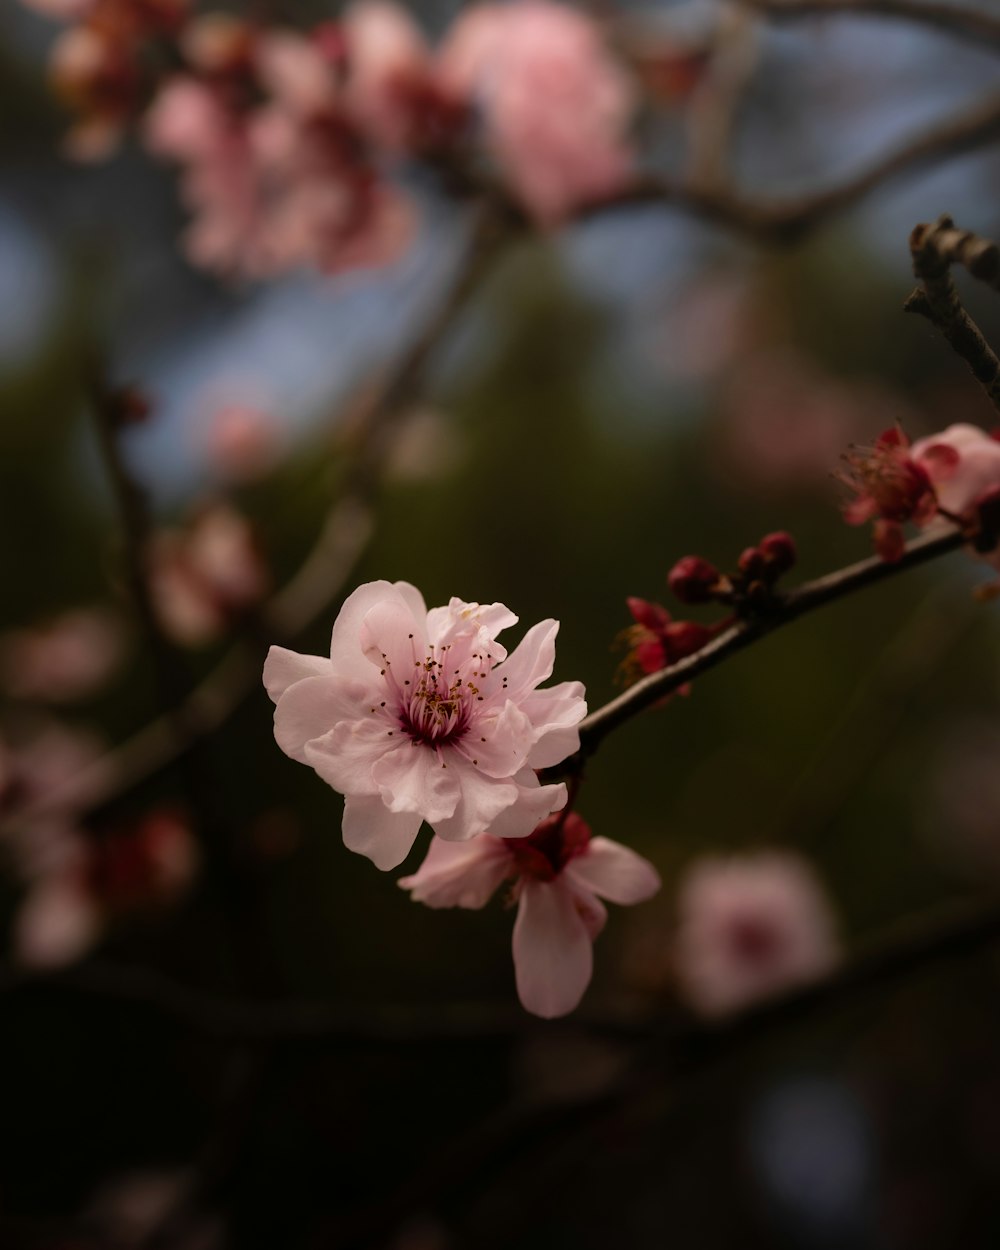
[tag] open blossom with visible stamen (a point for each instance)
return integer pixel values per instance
(421, 715)
(750, 926)
(560, 873)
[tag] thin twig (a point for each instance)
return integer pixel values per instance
(787, 608)
(777, 222)
(981, 28)
(935, 248)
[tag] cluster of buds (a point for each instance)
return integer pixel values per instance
(657, 641)
(99, 63)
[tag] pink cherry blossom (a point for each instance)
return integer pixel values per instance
(963, 464)
(421, 715)
(560, 874)
(241, 440)
(556, 105)
(750, 926)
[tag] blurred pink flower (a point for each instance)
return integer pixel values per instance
(66, 658)
(963, 464)
(421, 715)
(560, 872)
(393, 86)
(750, 926)
(57, 923)
(556, 106)
(241, 440)
(205, 577)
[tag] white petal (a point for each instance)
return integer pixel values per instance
(459, 874)
(371, 829)
(283, 668)
(508, 739)
(613, 871)
(390, 639)
(553, 956)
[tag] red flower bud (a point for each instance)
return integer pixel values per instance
(779, 551)
(752, 563)
(693, 580)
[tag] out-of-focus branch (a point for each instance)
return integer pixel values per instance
(324, 572)
(982, 28)
(715, 103)
(935, 248)
(786, 222)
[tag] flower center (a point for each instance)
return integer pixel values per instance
(436, 706)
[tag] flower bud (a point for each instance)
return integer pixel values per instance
(682, 638)
(779, 552)
(752, 563)
(693, 580)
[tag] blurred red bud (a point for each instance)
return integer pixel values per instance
(693, 580)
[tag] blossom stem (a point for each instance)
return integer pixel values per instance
(785, 609)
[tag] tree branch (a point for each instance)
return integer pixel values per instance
(786, 222)
(981, 28)
(935, 248)
(787, 608)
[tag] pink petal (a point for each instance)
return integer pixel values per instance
(390, 641)
(459, 874)
(371, 829)
(482, 800)
(508, 737)
(553, 955)
(613, 871)
(412, 778)
(533, 803)
(283, 668)
(345, 647)
(311, 708)
(532, 660)
(464, 620)
(555, 713)
(345, 756)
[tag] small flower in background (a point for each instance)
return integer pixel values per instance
(421, 715)
(204, 578)
(750, 926)
(241, 440)
(66, 658)
(963, 464)
(560, 874)
(78, 884)
(556, 106)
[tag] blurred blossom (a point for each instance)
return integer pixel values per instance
(750, 926)
(204, 578)
(44, 760)
(811, 1148)
(560, 874)
(711, 324)
(420, 715)
(786, 423)
(556, 106)
(241, 440)
(78, 883)
(427, 447)
(67, 658)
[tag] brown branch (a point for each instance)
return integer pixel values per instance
(981, 28)
(788, 608)
(777, 222)
(935, 248)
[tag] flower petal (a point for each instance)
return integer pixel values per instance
(345, 756)
(312, 707)
(371, 829)
(498, 743)
(459, 874)
(412, 778)
(532, 660)
(345, 650)
(613, 871)
(533, 803)
(553, 955)
(283, 668)
(482, 801)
